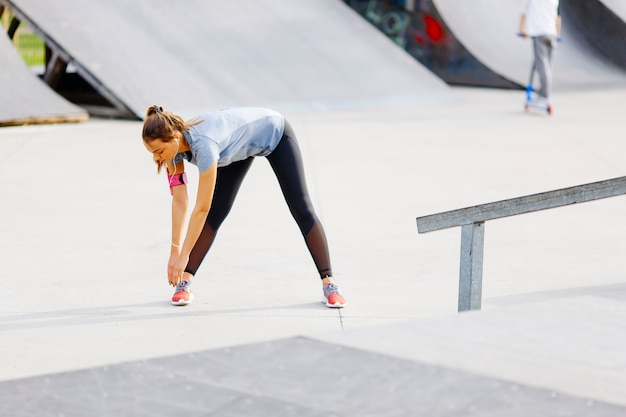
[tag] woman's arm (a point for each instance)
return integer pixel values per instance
(180, 203)
(204, 197)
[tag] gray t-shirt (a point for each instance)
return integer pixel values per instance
(231, 135)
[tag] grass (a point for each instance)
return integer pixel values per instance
(32, 49)
(30, 46)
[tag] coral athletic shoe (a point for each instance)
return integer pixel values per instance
(332, 296)
(182, 296)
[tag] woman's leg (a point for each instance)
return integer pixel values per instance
(228, 182)
(286, 161)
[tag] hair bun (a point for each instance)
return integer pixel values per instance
(154, 109)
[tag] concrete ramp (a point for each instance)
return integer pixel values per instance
(603, 23)
(289, 55)
(616, 6)
(488, 30)
(25, 99)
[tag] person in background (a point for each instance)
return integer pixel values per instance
(541, 21)
(222, 144)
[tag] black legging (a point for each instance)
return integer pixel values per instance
(286, 161)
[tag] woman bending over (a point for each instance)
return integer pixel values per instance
(222, 144)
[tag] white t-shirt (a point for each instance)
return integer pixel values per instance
(541, 17)
(230, 135)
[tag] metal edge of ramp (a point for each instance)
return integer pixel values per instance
(578, 64)
(26, 99)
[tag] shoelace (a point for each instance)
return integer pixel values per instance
(331, 288)
(183, 285)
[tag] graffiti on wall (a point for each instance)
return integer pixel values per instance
(417, 27)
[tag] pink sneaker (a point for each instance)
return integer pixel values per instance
(332, 296)
(182, 296)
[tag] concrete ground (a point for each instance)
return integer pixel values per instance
(84, 222)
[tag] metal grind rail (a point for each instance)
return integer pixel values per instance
(472, 222)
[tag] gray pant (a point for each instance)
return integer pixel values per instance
(544, 47)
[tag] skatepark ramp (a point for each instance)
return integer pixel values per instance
(421, 31)
(472, 222)
(474, 43)
(288, 55)
(488, 30)
(618, 7)
(604, 23)
(25, 99)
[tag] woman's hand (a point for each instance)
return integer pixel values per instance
(176, 267)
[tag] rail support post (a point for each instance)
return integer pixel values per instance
(471, 268)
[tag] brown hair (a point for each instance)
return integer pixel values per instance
(160, 124)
